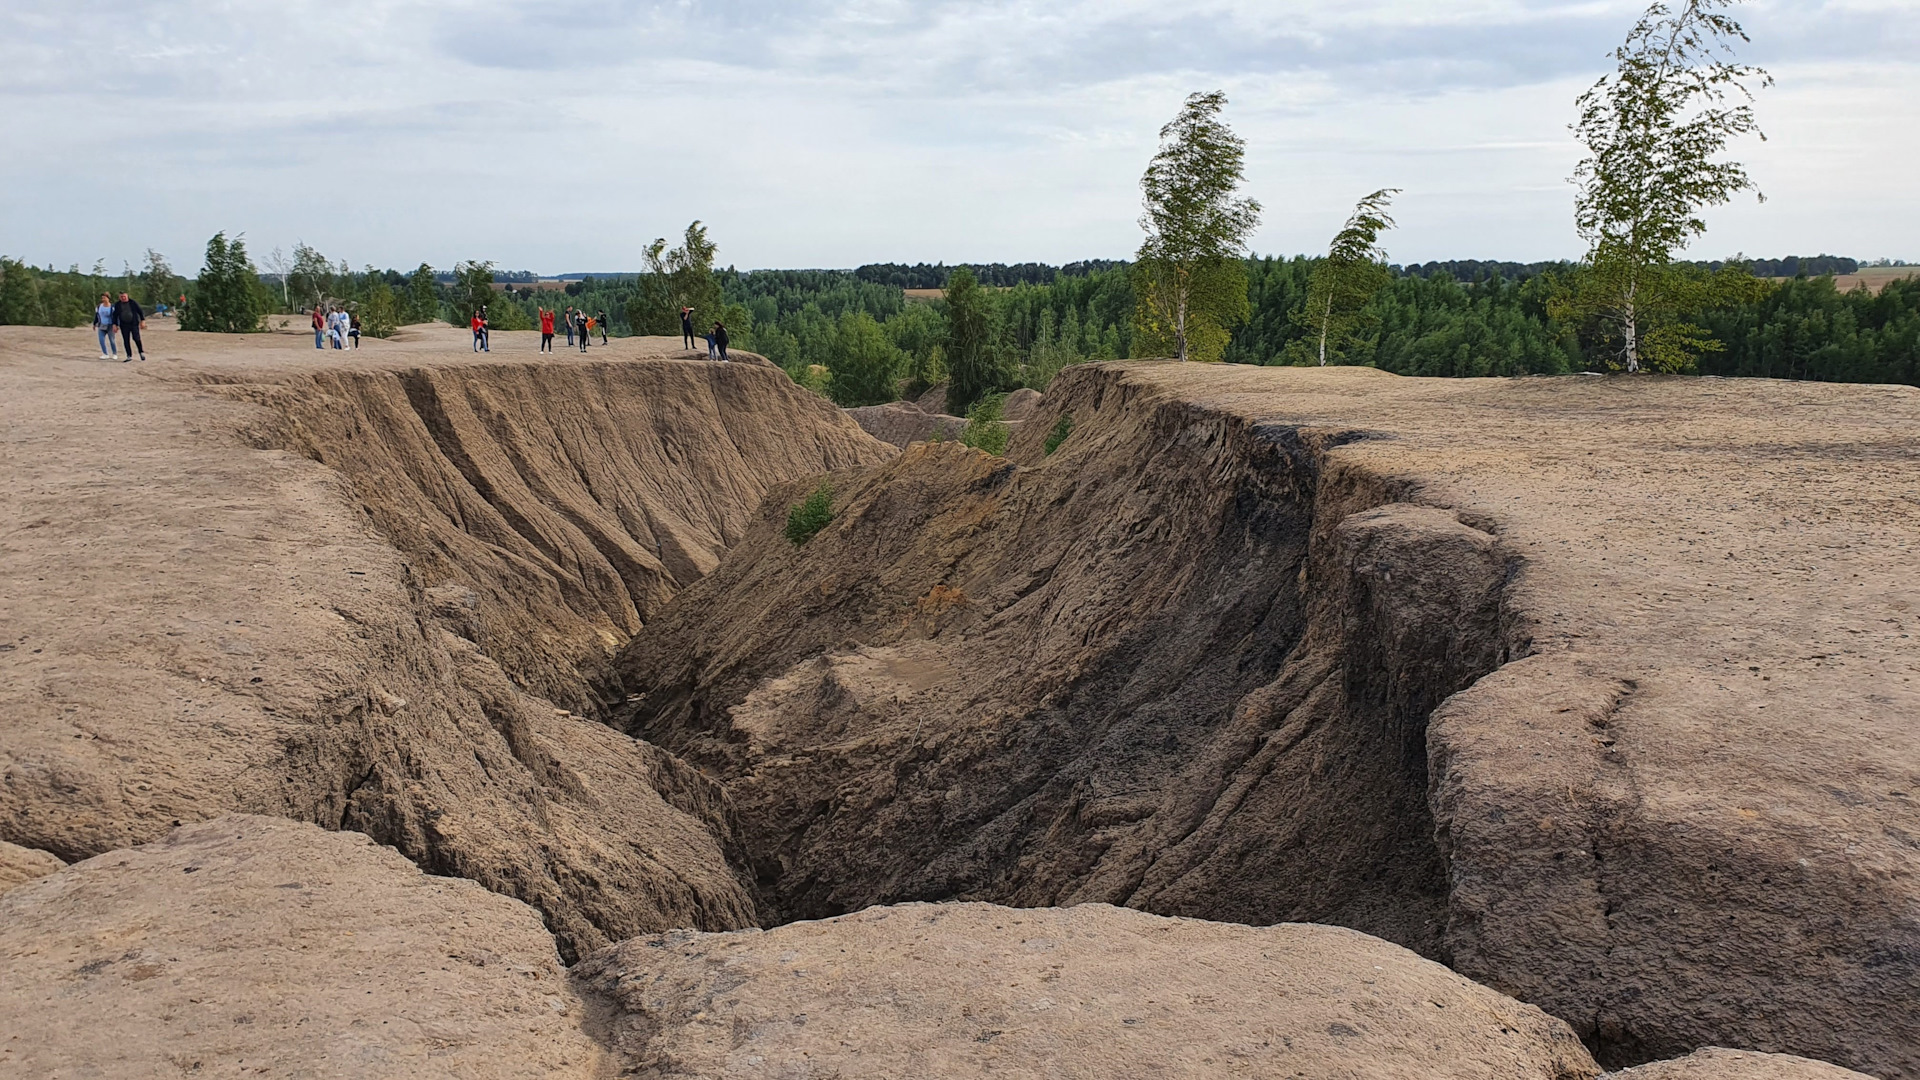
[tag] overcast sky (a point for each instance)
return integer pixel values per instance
(562, 135)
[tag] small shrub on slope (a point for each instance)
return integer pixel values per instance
(810, 515)
(985, 430)
(1059, 434)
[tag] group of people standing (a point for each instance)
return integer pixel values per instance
(578, 324)
(124, 315)
(335, 325)
(716, 336)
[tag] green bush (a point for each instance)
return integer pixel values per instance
(1059, 434)
(812, 514)
(985, 430)
(228, 297)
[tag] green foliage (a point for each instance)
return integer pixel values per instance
(310, 281)
(1216, 299)
(1196, 232)
(1061, 429)
(158, 283)
(866, 365)
(1654, 131)
(1808, 329)
(971, 359)
(806, 518)
(423, 296)
(682, 277)
(472, 290)
(228, 297)
(1655, 330)
(19, 296)
(985, 430)
(1345, 281)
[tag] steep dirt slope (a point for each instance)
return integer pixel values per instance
(194, 626)
(258, 946)
(1715, 1063)
(1191, 663)
(966, 990)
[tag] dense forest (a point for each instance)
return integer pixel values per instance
(1458, 318)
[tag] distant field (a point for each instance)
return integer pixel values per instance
(1873, 278)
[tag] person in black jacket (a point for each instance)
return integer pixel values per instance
(720, 339)
(131, 320)
(603, 327)
(686, 327)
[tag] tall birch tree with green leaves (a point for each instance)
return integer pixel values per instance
(1655, 132)
(1345, 282)
(1190, 278)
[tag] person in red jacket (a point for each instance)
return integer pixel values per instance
(546, 330)
(479, 325)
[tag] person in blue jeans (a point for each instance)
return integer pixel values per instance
(103, 328)
(319, 329)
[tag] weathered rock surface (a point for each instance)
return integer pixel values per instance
(195, 626)
(1191, 664)
(260, 946)
(1021, 404)
(901, 422)
(959, 990)
(20, 865)
(1715, 1063)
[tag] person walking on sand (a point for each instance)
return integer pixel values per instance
(569, 322)
(686, 328)
(603, 328)
(720, 340)
(131, 320)
(546, 330)
(103, 328)
(319, 328)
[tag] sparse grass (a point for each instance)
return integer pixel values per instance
(807, 517)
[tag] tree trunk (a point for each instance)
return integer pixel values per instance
(1326, 322)
(1180, 322)
(1630, 329)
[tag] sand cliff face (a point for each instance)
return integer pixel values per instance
(353, 597)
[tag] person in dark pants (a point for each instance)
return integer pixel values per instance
(131, 320)
(353, 329)
(720, 340)
(580, 326)
(546, 330)
(686, 327)
(603, 327)
(569, 321)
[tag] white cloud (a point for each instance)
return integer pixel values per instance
(560, 136)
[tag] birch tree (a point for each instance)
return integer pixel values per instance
(1189, 276)
(1347, 279)
(1655, 131)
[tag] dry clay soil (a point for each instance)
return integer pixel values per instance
(1681, 812)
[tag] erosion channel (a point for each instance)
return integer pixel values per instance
(1247, 647)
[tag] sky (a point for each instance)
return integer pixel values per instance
(562, 135)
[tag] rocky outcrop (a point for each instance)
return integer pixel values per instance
(1714, 1063)
(900, 423)
(1021, 404)
(20, 865)
(259, 946)
(956, 990)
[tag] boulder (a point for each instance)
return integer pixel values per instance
(19, 865)
(901, 422)
(966, 990)
(1021, 404)
(257, 946)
